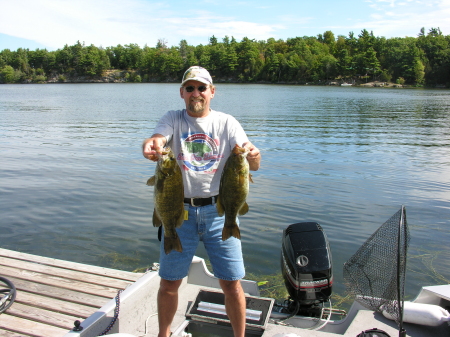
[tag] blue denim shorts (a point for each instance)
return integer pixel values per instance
(204, 224)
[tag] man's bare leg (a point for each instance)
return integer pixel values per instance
(167, 305)
(235, 305)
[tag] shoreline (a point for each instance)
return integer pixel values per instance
(125, 76)
(362, 85)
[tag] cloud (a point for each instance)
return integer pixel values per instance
(392, 18)
(242, 29)
(112, 22)
(54, 23)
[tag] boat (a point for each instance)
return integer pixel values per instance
(345, 84)
(201, 310)
(138, 313)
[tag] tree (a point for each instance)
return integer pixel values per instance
(419, 71)
(20, 60)
(329, 39)
(38, 58)
(401, 57)
(304, 61)
(161, 44)
(352, 44)
(436, 49)
(435, 32)
(366, 40)
(421, 60)
(230, 61)
(64, 60)
(6, 57)
(385, 76)
(328, 66)
(184, 49)
(7, 74)
(422, 32)
(248, 54)
(344, 63)
(77, 53)
(132, 56)
(92, 61)
(147, 65)
(272, 68)
(213, 41)
(371, 62)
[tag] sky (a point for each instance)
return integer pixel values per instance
(51, 24)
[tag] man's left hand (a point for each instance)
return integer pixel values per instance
(253, 156)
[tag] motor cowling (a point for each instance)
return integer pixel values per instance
(306, 263)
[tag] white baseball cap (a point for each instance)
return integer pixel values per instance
(196, 73)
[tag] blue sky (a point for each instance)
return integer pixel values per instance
(53, 23)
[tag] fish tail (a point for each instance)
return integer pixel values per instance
(172, 243)
(231, 230)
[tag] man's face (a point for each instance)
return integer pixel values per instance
(197, 102)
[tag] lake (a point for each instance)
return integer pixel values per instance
(73, 179)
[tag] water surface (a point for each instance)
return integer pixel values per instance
(72, 177)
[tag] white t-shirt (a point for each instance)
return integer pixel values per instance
(201, 146)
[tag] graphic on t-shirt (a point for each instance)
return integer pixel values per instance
(200, 153)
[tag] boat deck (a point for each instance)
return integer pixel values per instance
(52, 293)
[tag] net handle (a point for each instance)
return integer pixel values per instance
(400, 289)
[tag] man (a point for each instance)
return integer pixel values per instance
(202, 140)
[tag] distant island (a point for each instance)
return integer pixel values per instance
(323, 59)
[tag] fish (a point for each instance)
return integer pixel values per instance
(233, 191)
(168, 195)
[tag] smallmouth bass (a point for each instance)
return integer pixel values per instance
(233, 191)
(168, 197)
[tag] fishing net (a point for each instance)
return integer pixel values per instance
(375, 275)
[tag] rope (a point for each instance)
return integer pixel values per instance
(116, 314)
(9, 295)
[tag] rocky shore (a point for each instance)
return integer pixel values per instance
(109, 76)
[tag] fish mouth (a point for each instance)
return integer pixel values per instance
(242, 151)
(165, 153)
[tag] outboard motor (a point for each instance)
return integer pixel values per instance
(306, 266)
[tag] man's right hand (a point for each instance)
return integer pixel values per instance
(153, 146)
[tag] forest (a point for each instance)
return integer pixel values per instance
(417, 61)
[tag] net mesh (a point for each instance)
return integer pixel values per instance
(375, 274)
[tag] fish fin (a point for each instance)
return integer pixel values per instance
(250, 177)
(156, 220)
(172, 243)
(219, 206)
(244, 209)
(151, 181)
(229, 231)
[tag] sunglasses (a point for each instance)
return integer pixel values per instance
(191, 88)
